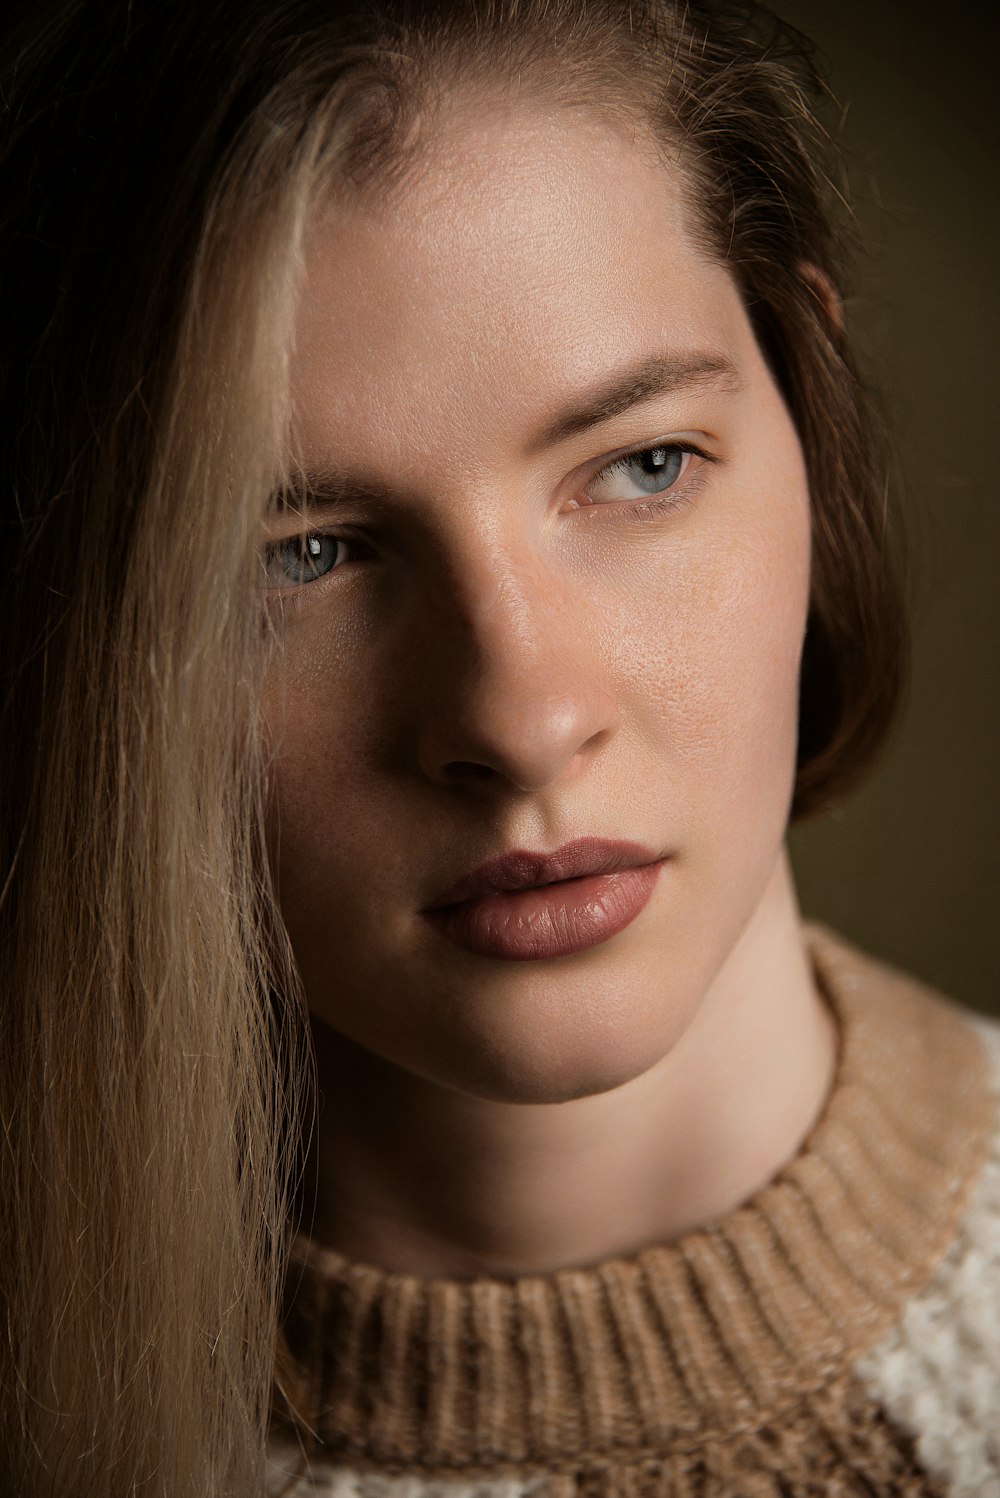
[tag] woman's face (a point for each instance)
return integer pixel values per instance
(506, 643)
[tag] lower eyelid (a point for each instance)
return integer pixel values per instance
(297, 585)
(683, 493)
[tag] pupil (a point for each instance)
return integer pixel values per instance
(659, 467)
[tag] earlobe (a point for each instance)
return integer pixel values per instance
(825, 292)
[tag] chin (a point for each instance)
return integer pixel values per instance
(499, 1087)
(545, 1067)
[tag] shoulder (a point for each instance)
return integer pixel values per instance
(937, 1372)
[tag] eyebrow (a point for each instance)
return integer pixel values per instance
(656, 374)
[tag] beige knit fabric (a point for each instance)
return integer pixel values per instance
(719, 1364)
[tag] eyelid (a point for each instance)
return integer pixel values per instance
(342, 535)
(687, 442)
(680, 443)
(310, 520)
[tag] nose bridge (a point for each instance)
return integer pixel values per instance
(513, 677)
(505, 606)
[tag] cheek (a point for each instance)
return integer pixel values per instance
(716, 682)
(320, 794)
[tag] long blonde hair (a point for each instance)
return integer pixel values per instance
(160, 169)
(154, 1056)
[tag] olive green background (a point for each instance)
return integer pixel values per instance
(910, 866)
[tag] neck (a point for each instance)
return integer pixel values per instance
(421, 1179)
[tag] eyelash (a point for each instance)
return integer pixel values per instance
(671, 499)
(635, 511)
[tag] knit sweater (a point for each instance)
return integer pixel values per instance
(837, 1333)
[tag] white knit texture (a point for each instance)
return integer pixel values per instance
(343, 1482)
(937, 1373)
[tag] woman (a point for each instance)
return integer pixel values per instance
(449, 544)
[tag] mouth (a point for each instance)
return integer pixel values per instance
(524, 906)
(521, 870)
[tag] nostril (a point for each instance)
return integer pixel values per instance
(469, 769)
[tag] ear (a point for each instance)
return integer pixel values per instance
(826, 293)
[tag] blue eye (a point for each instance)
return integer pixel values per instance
(668, 472)
(651, 471)
(655, 469)
(300, 559)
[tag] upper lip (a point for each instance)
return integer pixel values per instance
(520, 869)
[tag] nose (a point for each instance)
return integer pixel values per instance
(514, 681)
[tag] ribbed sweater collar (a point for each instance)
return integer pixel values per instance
(714, 1332)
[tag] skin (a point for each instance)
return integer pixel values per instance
(501, 664)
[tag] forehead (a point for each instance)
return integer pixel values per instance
(530, 250)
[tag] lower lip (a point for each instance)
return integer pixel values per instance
(550, 920)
